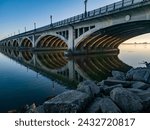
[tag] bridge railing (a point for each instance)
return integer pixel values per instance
(99, 11)
(91, 14)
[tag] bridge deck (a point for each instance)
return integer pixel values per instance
(97, 13)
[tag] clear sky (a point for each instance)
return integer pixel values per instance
(17, 14)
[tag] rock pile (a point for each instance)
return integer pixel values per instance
(123, 92)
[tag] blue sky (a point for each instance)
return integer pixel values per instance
(16, 14)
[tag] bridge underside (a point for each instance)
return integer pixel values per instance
(104, 39)
(112, 37)
(26, 43)
(51, 42)
(15, 44)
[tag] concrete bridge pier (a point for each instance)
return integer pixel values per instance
(71, 40)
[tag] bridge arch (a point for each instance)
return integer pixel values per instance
(111, 37)
(9, 44)
(51, 41)
(26, 42)
(15, 43)
(5, 44)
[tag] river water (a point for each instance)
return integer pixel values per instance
(27, 77)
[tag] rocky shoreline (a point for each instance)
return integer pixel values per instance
(122, 93)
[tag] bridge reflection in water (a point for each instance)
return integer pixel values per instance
(68, 71)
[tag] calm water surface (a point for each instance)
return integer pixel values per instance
(27, 77)
(134, 54)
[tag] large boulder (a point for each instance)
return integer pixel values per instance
(95, 106)
(144, 95)
(126, 100)
(89, 87)
(140, 85)
(108, 106)
(68, 102)
(148, 89)
(139, 74)
(116, 82)
(40, 109)
(129, 74)
(118, 75)
(146, 105)
(135, 90)
(103, 105)
(107, 89)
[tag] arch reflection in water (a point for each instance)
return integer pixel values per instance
(16, 53)
(52, 61)
(98, 67)
(27, 55)
(56, 66)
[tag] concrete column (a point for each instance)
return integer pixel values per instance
(71, 39)
(19, 41)
(33, 40)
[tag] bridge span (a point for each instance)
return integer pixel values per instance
(102, 29)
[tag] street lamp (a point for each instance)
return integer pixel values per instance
(34, 26)
(51, 20)
(85, 3)
(25, 29)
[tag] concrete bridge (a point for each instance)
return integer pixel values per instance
(101, 29)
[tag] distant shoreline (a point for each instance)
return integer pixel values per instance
(135, 43)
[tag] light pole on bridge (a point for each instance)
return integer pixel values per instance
(25, 29)
(34, 26)
(51, 20)
(85, 3)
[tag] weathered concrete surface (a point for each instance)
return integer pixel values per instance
(118, 75)
(139, 74)
(135, 91)
(116, 82)
(89, 87)
(108, 106)
(126, 100)
(71, 102)
(140, 85)
(95, 106)
(107, 89)
(103, 105)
